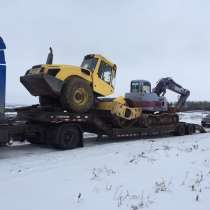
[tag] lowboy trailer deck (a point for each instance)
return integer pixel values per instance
(64, 130)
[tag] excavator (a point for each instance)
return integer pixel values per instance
(155, 107)
(85, 89)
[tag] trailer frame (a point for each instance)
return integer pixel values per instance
(64, 130)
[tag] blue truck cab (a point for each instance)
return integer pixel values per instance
(2, 76)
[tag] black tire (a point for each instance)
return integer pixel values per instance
(189, 130)
(77, 95)
(67, 137)
(180, 130)
(48, 101)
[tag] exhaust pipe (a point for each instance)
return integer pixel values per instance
(2, 77)
(50, 57)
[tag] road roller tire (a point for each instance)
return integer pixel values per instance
(180, 130)
(189, 130)
(77, 95)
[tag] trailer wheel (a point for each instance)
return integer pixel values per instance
(77, 95)
(189, 130)
(180, 130)
(68, 137)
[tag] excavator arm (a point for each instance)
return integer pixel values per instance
(170, 84)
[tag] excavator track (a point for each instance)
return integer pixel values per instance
(149, 120)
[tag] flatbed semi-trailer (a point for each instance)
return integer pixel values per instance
(64, 130)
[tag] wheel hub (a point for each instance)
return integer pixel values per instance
(80, 96)
(68, 137)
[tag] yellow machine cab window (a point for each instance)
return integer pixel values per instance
(89, 62)
(105, 72)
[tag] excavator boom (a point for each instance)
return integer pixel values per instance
(170, 84)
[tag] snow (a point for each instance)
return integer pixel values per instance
(155, 174)
(193, 117)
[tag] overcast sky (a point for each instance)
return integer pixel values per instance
(147, 39)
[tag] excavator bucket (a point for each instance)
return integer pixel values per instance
(2, 76)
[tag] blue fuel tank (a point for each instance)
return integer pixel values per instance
(2, 76)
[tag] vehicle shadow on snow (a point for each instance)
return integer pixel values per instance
(21, 150)
(27, 149)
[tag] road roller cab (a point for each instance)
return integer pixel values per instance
(74, 88)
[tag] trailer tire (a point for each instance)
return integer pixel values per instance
(68, 137)
(180, 130)
(189, 130)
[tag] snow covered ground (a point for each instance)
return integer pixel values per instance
(154, 174)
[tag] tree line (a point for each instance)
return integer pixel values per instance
(195, 105)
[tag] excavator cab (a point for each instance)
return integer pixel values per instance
(141, 95)
(141, 87)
